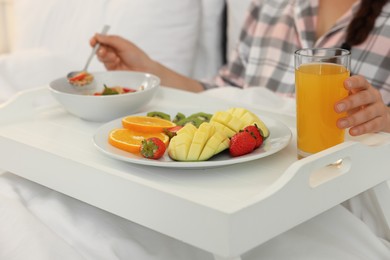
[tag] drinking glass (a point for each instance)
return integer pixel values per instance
(319, 84)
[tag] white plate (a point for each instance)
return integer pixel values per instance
(280, 136)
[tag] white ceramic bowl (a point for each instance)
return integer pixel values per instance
(81, 101)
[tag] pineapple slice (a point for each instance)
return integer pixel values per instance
(180, 145)
(188, 128)
(260, 124)
(223, 129)
(228, 120)
(237, 118)
(172, 152)
(198, 145)
(237, 111)
(201, 136)
(217, 143)
(225, 143)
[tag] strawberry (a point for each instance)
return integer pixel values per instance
(152, 148)
(78, 76)
(242, 143)
(171, 132)
(255, 132)
(127, 90)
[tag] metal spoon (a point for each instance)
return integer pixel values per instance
(95, 48)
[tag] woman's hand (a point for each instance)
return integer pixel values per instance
(366, 111)
(117, 53)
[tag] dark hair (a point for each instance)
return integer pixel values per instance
(363, 22)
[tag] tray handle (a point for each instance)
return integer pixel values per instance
(352, 160)
(313, 185)
(25, 103)
(363, 166)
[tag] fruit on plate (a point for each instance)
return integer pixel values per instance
(236, 129)
(171, 132)
(196, 119)
(159, 114)
(245, 141)
(197, 144)
(233, 120)
(180, 119)
(152, 148)
(242, 143)
(130, 140)
(255, 131)
(179, 145)
(146, 124)
(179, 116)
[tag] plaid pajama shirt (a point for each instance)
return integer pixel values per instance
(275, 29)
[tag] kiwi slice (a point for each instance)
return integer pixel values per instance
(205, 117)
(190, 120)
(179, 116)
(159, 114)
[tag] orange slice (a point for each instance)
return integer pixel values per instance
(146, 123)
(130, 141)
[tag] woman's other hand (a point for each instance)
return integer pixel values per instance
(117, 53)
(366, 111)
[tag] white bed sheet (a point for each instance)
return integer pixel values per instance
(39, 223)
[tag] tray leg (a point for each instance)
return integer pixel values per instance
(216, 257)
(382, 195)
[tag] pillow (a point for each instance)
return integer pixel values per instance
(63, 27)
(167, 32)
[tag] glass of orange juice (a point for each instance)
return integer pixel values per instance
(319, 83)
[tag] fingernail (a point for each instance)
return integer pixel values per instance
(343, 123)
(354, 131)
(348, 83)
(340, 107)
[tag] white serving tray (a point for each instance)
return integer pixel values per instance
(224, 210)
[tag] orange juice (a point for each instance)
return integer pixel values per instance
(318, 87)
